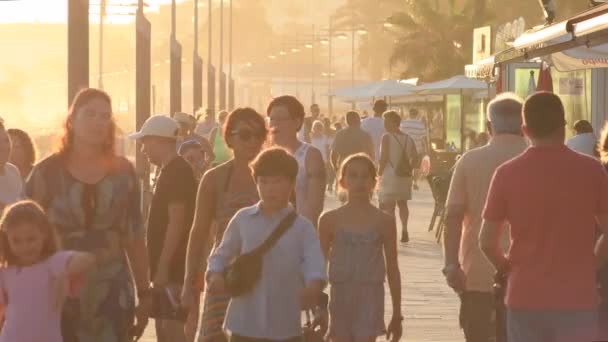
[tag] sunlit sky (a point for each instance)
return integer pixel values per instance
(55, 11)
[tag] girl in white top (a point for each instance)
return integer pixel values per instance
(395, 190)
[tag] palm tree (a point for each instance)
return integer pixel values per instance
(374, 47)
(431, 44)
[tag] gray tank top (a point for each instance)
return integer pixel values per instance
(357, 257)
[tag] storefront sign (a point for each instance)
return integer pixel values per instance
(571, 86)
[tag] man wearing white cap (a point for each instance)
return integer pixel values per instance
(170, 215)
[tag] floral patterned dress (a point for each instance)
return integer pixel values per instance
(97, 218)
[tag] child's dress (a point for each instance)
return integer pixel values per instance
(27, 294)
(356, 275)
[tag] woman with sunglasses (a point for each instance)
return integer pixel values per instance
(223, 191)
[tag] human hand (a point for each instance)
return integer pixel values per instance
(142, 314)
(321, 321)
(309, 297)
(456, 279)
(395, 329)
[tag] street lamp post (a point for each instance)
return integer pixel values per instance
(222, 77)
(230, 80)
(210, 68)
(78, 47)
(197, 68)
(102, 15)
(175, 76)
(142, 87)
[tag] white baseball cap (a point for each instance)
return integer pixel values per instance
(157, 126)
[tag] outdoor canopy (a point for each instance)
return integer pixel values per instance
(385, 88)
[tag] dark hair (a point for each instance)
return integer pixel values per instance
(314, 105)
(582, 126)
(352, 118)
(543, 114)
(358, 157)
(275, 162)
(293, 105)
(28, 144)
(20, 213)
(414, 113)
(83, 97)
(380, 106)
(247, 115)
(392, 116)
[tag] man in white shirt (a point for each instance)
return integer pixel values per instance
(374, 126)
(416, 129)
(584, 141)
(11, 185)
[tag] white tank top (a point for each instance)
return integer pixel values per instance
(302, 178)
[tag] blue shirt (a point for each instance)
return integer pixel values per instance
(272, 309)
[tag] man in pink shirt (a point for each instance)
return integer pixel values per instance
(552, 198)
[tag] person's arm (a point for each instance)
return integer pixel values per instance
(394, 278)
(229, 248)
(203, 217)
(315, 193)
(313, 268)
(384, 154)
(489, 242)
(452, 235)
(325, 234)
(212, 134)
(335, 152)
(495, 215)
(601, 246)
(369, 147)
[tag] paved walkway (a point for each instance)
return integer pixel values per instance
(429, 305)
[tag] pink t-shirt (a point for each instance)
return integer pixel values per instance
(27, 294)
(550, 196)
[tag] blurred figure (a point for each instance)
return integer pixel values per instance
(466, 269)
(220, 149)
(416, 129)
(193, 153)
(286, 115)
(584, 141)
(397, 156)
(554, 200)
(187, 124)
(23, 152)
(350, 141)
(305, 131)
(204, 128)
(318, 139)
(602, 277)
(374, 126)
(11, 185)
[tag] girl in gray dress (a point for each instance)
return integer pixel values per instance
(360, 244)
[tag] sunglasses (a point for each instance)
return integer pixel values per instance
(246, 135)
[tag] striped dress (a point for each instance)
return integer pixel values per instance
(356, 275)
(215, 305)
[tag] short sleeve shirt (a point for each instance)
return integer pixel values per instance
(27, 293)
(175, 184)
(550, 196)
(350, 141)
(11, 186)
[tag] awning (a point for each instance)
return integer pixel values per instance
(375, 89)
(589, 28)
(581, 58)
(484, 69)
(456, 85)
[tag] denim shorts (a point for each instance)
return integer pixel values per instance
(551, 326)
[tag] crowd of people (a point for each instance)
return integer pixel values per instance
(237, 223)
(251, 184)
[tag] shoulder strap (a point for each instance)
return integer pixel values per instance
(281, 228)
